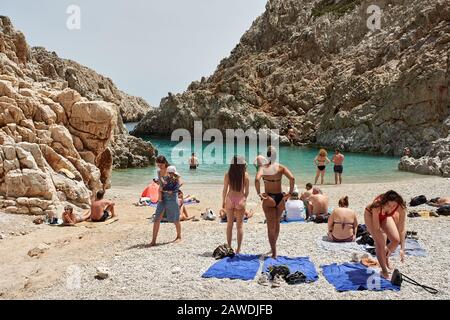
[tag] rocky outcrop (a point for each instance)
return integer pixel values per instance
(133, 152)
(88, 83)
(55, 144)
(316, 65)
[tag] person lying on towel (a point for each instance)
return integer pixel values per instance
(343, 223)
(71, 218)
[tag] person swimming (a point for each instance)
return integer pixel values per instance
(193, 162)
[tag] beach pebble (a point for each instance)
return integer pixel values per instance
(2, 237)
(176, 270)
(102, 273)
(39, 250)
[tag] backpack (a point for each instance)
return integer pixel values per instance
(417, 201)
(444, 210)
(223, 251)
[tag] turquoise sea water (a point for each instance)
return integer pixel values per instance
(357, 167)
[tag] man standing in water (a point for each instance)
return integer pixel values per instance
(338, 160)
(193, 162)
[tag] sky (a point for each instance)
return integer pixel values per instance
(147, 47)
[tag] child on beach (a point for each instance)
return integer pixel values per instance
(170, 183)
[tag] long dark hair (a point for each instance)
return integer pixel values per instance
(163, 160)
(236, 173)
(391, 195)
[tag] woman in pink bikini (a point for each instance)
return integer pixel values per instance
(234, 197)
(385, 219)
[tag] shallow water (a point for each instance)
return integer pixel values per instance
(358, 168)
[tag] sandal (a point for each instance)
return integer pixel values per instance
(296, 278)
(263, 279)
(276, 282)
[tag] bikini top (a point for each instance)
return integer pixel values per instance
(383, 216)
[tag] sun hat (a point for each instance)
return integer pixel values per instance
(172, 169)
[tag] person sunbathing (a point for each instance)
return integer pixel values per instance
(223, 214)
(439, 202)
(102, 210)
(70, 218)
(295, 208)
(318, 203)
(342, 223)
(184, 216)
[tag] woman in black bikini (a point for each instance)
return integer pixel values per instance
(273, 198)
(321, 162)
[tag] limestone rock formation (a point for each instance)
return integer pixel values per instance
(317, 65)
(55, 144)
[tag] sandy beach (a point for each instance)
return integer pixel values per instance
(66, 270)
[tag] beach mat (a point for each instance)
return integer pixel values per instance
(91, 224)
(328, 245)
(355, 277)
(241, 266)
(412, 248)
(155, 204)
(293, 221)
(302, 264)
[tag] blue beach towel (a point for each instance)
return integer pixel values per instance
(412, 248)
(148, 203)
(302, 264)
(241, 266)
(355, 277)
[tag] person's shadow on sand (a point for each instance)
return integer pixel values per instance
(147, 245)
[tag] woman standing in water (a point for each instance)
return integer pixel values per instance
(273, 199)
(385, 219)
(234, 197)
(321, 162)
(168, 201)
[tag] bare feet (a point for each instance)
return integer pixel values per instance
(177, 240)
(152, 244)
(238, 251)
(385, 275)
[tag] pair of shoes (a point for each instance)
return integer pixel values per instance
(296, 278)
(263, 279)
(412, 235)
(277, 281)
(413, 214)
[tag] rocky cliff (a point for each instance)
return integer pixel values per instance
(56, 142)
(317, 65)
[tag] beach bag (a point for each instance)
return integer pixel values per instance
(209, 215)
(362, 229)
(223, 251)
(417, 201)
(323, 218)
(444, 210)
(398, 278)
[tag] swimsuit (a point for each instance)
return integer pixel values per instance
(193, 167)
(277, 197)
(235, 202)
(342, 240)
(343, 224)
(382, 216)
(321, 168)
(104, 217)
(338, 168)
